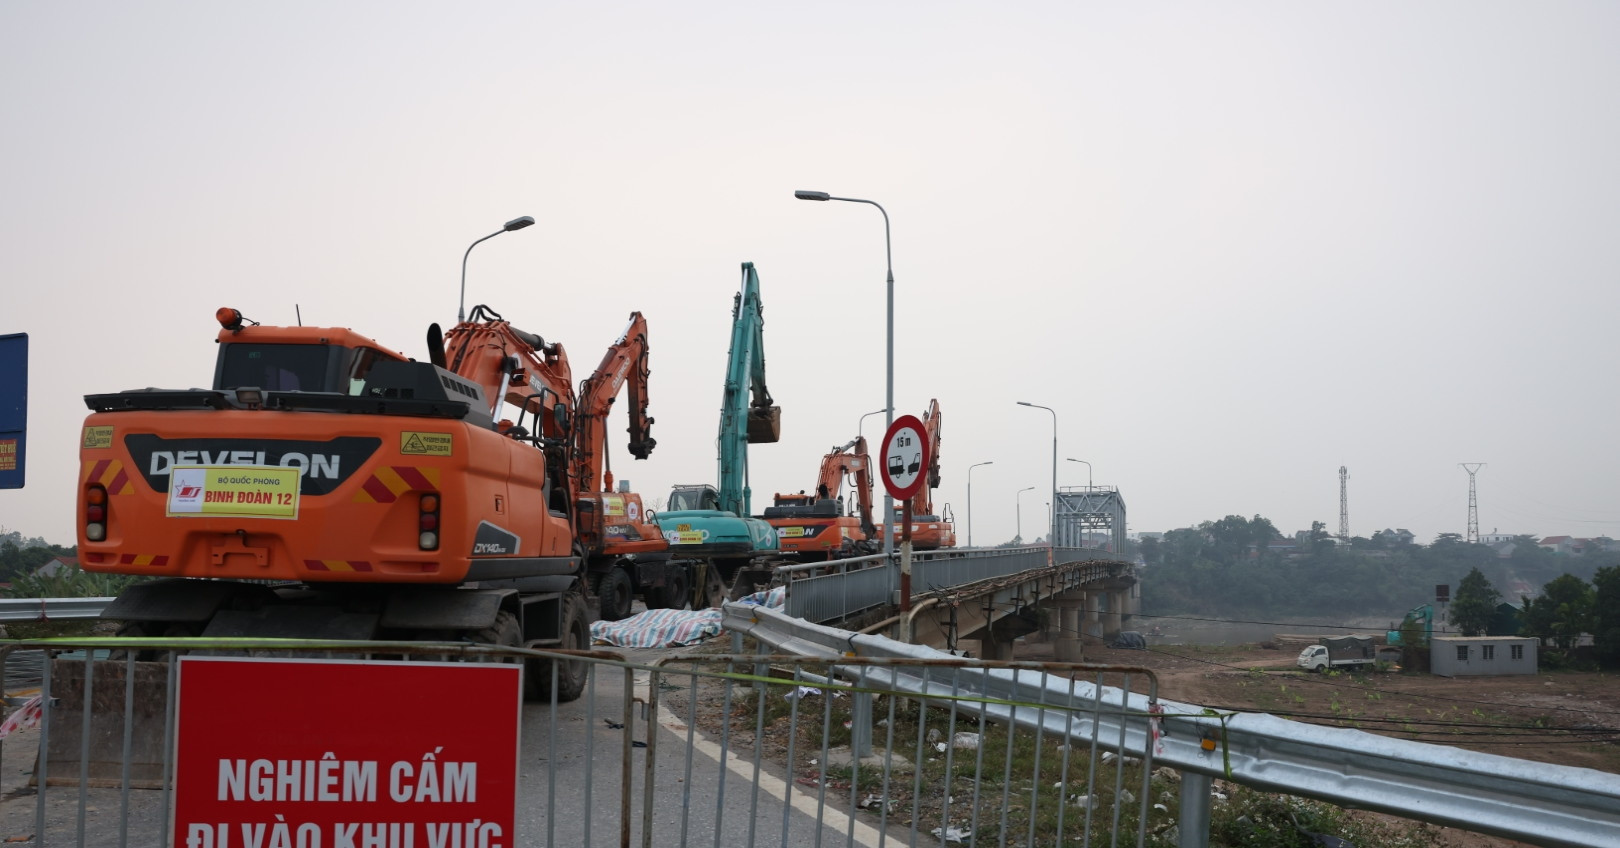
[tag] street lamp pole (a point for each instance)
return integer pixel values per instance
(970, 497)
(888, 256)
(860, 429)
(1052, 516)
(1020, 512)
(1088, 471)
(514, 224)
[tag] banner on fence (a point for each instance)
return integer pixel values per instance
(335, 752)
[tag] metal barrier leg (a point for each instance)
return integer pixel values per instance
(1195, 804)
(860, 723)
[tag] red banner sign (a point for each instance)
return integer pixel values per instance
(346, 753)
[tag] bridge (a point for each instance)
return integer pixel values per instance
(991, 596)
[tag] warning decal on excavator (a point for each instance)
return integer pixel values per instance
(96, 437)
(685, 536)
(789, 532)
(253, 491)
(8, 454)
(424, 444)
(109, 473)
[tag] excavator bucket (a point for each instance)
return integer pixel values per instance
(764, 425)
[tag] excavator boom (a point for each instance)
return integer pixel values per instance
(712, 525)
(624, 365)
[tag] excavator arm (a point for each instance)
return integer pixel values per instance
(850, 461)
(625, 363)
(511, 365)
(747, 415)
(862, 468)
(922, 503)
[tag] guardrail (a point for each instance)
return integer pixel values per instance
(46, 609)
(828, 591)
(1503, 796)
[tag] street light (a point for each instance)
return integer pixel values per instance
(514, 224)
(1088, 471)
(860, 429)
(1020, 512)
(1052, 516)
(970, 496)
(888, 255)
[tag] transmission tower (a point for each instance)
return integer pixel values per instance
(1344, 506)
(1473, 502)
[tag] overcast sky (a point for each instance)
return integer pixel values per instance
(1234, 246)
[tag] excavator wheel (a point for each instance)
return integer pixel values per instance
(676, 593)
(614, 590)
(711, 593)
(572, 675)
(505, 632)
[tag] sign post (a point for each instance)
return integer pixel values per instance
(902, 460)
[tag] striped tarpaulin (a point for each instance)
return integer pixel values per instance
(667, 628)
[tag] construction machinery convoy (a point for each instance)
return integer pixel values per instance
(711, 527)
(327, 487)
(929, 530)
(822, 526)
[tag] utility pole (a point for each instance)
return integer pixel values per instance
(1344, 506)
(1473, 502)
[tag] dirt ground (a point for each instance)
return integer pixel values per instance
(1566, 718)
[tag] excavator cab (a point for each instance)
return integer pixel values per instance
(694, 497)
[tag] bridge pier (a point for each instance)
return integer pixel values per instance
(1067, 645)
(1113, 620)
(1092, 627)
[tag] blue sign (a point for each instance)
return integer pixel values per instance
(13, 409)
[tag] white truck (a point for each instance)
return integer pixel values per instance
(1338, 652)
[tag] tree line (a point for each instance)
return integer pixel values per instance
(1227, 569)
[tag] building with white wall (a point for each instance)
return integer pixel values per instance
(1471, 656)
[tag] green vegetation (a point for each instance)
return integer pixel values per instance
(1225, 569)
(1474, 604)
(20, 556)
(69, 582)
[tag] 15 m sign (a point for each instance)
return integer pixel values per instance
(355, 758)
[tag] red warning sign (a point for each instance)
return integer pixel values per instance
(338, 752)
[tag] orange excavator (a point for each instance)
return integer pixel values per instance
(930, 531)
(820, 526)
(327, 487)
(626, 553)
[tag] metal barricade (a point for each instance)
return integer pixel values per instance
(870, 752)
(723, 750)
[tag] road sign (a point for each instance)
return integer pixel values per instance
(346, 753)
(13, 410)
(903, 457)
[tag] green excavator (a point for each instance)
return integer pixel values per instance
(733, 552)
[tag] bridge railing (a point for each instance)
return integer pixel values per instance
(829, 591)
(1518, 799)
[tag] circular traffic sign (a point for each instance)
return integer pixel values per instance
(903, 457)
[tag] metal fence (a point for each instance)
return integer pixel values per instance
(722, 750)
(836, 590)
